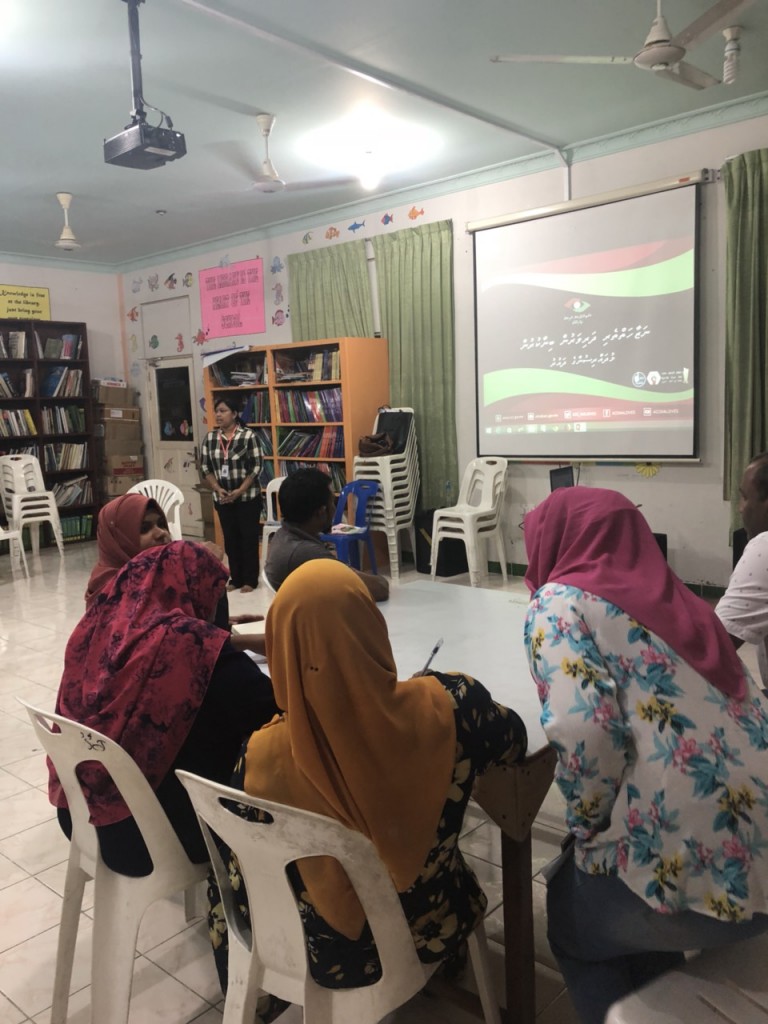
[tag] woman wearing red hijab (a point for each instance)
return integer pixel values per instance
(662, 738)
(127, 525)
(146, 666)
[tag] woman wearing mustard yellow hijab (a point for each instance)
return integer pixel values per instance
(393, 760)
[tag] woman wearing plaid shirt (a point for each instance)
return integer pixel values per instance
(230, 459)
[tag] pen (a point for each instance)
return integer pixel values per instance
(432, 653)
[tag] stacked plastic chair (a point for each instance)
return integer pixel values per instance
(476, 519)
(25, 499)
(393, 508)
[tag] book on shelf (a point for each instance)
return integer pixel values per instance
(76, 527)
(7, 387)
(16, 423)
(335, 471)
(63, 420)
(17, 344)
(77, 491)
(71, 384)
(69, 346)
(238, 373)
(52, 348)
(264, 438)
(29, 383)
(68, 455)
(51, 382)
(317, 406)
(3, 349)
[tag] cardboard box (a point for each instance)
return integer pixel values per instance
(120, 430)
(106, 394)
(120, 465)
(114, 486)
(122, 479)
(115, 446)
(118, 412)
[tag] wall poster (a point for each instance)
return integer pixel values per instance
(232, 299)
(19, 302)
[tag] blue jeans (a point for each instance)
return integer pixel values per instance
(609, 942)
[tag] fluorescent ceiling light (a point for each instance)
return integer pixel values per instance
(369, 144)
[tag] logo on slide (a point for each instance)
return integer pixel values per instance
(638, 379)
(578, 305)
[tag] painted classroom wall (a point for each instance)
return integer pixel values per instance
(683, 501)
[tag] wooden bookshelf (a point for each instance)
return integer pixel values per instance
(318, 397)
(46, 411)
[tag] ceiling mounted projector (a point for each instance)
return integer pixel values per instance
(142, 145)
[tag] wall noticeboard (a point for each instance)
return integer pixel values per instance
(20, 302)
(232, 299)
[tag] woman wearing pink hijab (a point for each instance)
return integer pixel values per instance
(662, 738)
(127, 525)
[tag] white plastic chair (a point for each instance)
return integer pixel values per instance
(393, 508)
(477, 516)
(273, 957)
(119, 901)
(25, 499)
(170, 499)
(725, 984)
(16, 546)
(272, 525)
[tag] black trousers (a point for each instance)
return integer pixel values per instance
(240, 526)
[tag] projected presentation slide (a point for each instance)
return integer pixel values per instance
(586, 324)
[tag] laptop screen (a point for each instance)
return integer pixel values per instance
(561, 477)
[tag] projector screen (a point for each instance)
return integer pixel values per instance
(586, 332)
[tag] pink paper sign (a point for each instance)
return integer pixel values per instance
(232, 299)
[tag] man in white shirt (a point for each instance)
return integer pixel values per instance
(743, 609)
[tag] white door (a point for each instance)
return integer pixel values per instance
(172, 401)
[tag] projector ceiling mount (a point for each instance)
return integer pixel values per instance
(142, 145)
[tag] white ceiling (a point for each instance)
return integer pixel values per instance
(214, 64)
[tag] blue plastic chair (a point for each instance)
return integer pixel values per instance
(348, 544)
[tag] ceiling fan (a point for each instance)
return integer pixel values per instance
(67, 238)
(662, 53)
(267, 180)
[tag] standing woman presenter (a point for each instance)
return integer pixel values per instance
(230, 459)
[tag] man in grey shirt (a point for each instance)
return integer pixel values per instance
(743, 609)
(307, 504)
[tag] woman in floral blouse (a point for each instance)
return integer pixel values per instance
(662, 739)
(393, 760)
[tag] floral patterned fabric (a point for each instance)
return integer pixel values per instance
(664, 776)
(446, 902)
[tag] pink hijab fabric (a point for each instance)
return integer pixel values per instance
(138, 665)
(118, 536)
(598, 541)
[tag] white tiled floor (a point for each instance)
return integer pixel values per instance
(174, 978)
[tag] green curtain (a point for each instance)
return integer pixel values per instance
(414, 270)
(330, 293)
(746, 318)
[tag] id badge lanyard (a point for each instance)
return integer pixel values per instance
(225, 453)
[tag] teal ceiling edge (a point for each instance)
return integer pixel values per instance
(719, 116)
